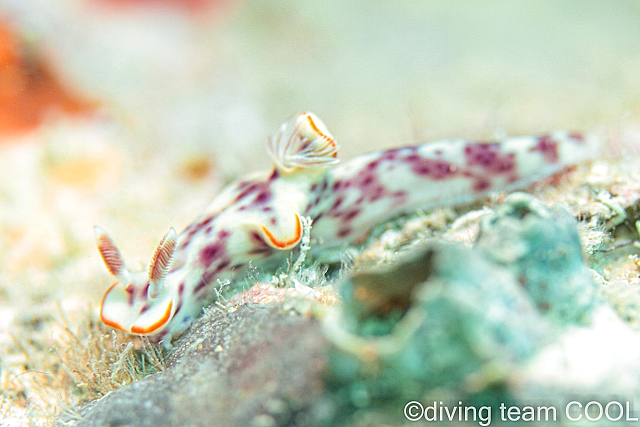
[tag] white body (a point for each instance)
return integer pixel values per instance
(258, 218)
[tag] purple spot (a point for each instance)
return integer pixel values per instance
(337, 203)
(211, 253)
(246, 191)
(411, 158)
(336, 185)
(325, 184)
(343, 232)
(373, 164)
(438, 152)
(223, 234)
(351, 214)
(548, 148)
(506, 163)
(442, 169)
(256, 238)
(262, 198)
(481, 154)
(145, 308)
(179, 306)
(274, 175)
(273, 220)
(208, 230)
(481, 185)
(313, 187)
(181, 289)
(200, 286)
(370, 190)
(266, 209)
(422, 168)
(377, 193)
(488, 157)
(193, 229)
(261, 189)
(224, 264)
(241, 208)
(129, 289)
(434, 169)
(390, 155)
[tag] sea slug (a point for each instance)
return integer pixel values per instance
(259, 218)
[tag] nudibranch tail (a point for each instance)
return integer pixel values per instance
(303, 141)
(358, 194)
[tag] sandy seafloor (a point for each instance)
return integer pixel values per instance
(188, 98)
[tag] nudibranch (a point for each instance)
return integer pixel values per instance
(258, 219)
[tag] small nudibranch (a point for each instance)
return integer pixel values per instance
(258, 218)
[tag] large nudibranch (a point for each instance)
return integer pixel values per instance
(259, 217)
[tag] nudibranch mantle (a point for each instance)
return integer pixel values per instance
(258, 218)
